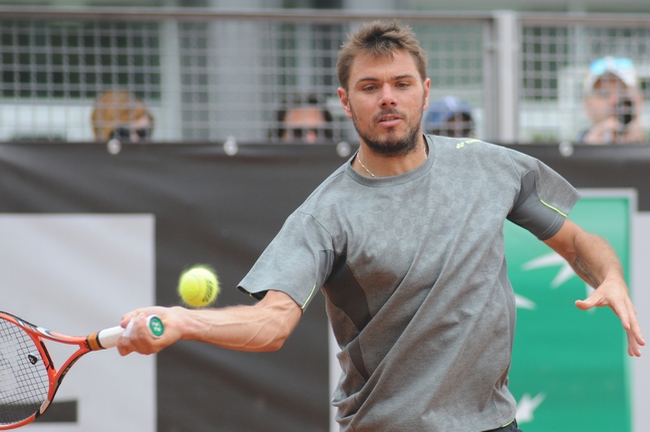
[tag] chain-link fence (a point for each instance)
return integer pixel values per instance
(200, 79)
(556, 54)
(208, 75)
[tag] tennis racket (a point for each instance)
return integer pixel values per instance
(28, 377)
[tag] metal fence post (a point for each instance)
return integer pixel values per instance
(171, 82)
(490, 96)
(507, 73)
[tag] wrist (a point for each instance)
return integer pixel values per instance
(614, 278)
(180, 319)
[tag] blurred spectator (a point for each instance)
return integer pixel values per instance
(450, 117)
(119, 114)
(303, 120)
(613, 103)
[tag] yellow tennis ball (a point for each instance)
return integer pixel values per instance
(198, 286)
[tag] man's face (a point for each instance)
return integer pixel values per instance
(608, 91)
(386, 99)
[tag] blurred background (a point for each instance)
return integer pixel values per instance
(183, 116)
(209, 70)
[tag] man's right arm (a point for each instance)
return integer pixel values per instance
(263, 326)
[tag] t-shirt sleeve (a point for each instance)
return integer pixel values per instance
(296, 262)
(545, 198)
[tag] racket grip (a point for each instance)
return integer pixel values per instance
(107, 338)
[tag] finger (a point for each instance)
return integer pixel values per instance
(138, 324)
(632, 328)
(124, 346)
(123, 350)
(142, 341)
(638, 336)
(635, 328)
(590, 302)
(633, 348)
(126, 318)
(623, 314)
(596, 299)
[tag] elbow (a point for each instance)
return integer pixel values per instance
(279, 316)
(275, 336)
(275, 344)
(264, 340)
(265, 343)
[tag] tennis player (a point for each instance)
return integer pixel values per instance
(406, 242)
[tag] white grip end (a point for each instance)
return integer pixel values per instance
(107, 338)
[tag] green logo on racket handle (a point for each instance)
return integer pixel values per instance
(155, 326)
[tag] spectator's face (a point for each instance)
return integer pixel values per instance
(386, 100)
(608, 91)
(458, 126)
(136, 131)
(303, 124)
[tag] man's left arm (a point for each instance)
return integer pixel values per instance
(595, 261)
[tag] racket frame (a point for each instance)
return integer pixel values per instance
(97, 341)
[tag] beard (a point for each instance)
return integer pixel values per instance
(390, 144)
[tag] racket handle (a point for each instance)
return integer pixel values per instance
(107, 338)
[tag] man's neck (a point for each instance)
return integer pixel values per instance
(374, 165)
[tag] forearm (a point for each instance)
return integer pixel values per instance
(262, 327)
(594, 260)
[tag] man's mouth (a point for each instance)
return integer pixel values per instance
(389, 120)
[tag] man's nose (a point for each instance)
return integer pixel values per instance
(387, 96)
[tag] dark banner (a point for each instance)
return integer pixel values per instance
(223, 210)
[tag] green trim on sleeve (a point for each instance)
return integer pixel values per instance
(313, 290)
(552, 208)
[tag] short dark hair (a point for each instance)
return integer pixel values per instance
(379, 38)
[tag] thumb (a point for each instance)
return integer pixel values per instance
(595, 297)
(589, 302)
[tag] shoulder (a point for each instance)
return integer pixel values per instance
(469, 149)
(462, 144)
(329, 192)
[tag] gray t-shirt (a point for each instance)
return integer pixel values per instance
(414, 274)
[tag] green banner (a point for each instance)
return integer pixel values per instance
(570, 367)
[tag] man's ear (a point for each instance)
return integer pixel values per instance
(345, 102)
(427, 87)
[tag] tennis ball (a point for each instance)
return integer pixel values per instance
(198, 286)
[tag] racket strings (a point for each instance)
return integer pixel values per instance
(24, 382)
